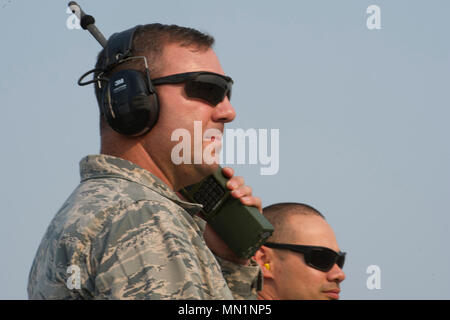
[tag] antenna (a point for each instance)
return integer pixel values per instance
(87, 22)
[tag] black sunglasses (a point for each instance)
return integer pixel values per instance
(208, 86)
(320, 258)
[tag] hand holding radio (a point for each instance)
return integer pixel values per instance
(236, 228)
(239, 191)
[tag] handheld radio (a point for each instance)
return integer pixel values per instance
(244, 229)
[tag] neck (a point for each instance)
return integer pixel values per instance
(264, 296)
(136, 153)
(267, 293)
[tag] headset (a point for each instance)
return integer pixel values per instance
(128, 101)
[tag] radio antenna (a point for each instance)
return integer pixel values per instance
(87, 22)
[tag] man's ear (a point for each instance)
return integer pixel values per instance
(263, 258)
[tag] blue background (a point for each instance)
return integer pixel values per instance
(363, 119)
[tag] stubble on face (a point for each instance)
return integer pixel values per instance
(177, 111)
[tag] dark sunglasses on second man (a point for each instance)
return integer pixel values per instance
(208, 86)
(320, 258)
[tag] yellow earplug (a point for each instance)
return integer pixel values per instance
(267, 266)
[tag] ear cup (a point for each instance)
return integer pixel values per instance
(128, 104)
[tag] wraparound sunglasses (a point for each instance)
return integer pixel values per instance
(320, 258)
(208, 86)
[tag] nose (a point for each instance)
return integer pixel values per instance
(336, 274)
(224, 112)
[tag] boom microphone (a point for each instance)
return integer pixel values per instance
(87, 22)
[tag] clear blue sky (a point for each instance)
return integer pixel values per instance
(362, 114)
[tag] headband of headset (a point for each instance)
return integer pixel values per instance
(118, 47)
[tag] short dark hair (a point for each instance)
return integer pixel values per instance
(278, 213)
(149, 41)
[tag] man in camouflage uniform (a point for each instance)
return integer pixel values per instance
(124, 233)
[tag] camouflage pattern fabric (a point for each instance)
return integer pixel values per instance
(123, 234)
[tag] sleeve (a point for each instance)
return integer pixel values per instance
(153, 250)
(243, 281)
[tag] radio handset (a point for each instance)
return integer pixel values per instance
(244, 229)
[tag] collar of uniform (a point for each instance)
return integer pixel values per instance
(105, 166)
